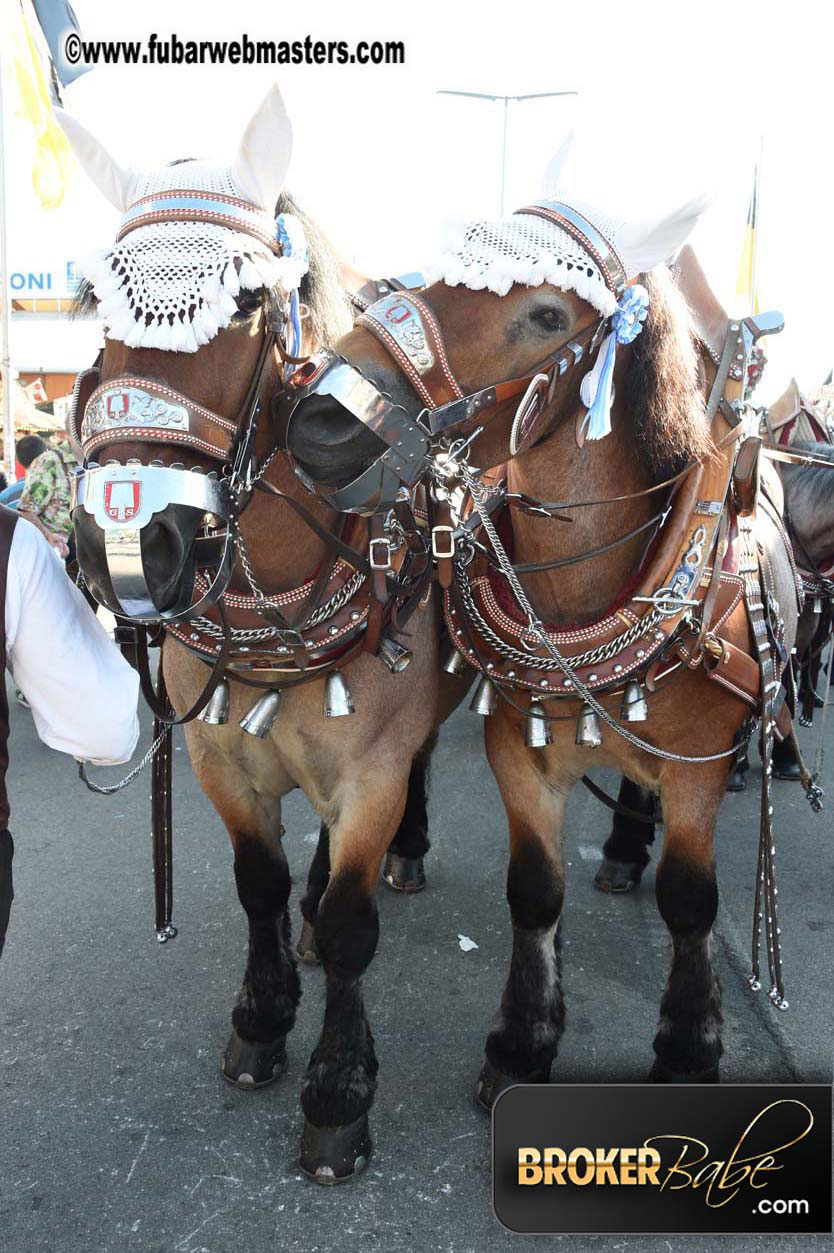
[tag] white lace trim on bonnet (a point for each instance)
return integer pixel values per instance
(171, 284)
(526, 249)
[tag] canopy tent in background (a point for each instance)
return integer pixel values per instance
(28, 417)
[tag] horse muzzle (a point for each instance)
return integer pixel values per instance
(390, 447)
(133, 502)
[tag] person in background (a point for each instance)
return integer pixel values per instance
(81, 691)
(46, 499)
(46, 493)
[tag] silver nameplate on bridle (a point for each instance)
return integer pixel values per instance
(400, 318)
(127, 496)
(131, 406)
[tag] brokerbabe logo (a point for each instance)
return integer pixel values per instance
(617, 1158)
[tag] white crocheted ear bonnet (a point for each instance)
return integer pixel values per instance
(173, 283)
(564, 241)
(575, 247)
(567, 243)
(192, 236)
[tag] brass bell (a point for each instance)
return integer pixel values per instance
(216, 711)
(634, 707)
(395, 655)
(588, 733)
(338, 702)
(537, 733)
(454, 661)
(485, 700)
(260, 718)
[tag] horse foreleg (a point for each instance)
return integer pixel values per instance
(340, 1082)
(317, 879)
(625, 853)
(525, 1037)
(688, 1041)
(266, 1004)
(403, 869)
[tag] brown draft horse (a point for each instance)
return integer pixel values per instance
(355, 771)
(658, 421)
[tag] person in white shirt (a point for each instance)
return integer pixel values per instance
(81, 691)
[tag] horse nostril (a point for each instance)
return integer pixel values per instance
(167, 554)
(162, 547)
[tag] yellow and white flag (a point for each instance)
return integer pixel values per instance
(29, 66)
(747, 288)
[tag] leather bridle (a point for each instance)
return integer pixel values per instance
(123, 498)
(406, 327)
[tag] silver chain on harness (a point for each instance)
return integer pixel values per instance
(112, 788)
(536, 628)
(593, 657)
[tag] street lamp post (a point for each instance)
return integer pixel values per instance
(482, 95)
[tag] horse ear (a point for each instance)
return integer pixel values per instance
(559, 173)
(260, 166)
(114, 182)
(643, 245)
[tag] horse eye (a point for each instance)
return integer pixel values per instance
(548, 318)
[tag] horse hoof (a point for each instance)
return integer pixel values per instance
(661, 1074)
(404, 874)
(306, 946)
(251, 1064)
(618, 876)
(331, 1155)
(492, 1082)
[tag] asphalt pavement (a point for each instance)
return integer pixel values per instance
(116, 1129)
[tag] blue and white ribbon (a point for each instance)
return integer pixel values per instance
(290, 235)
(598, 384)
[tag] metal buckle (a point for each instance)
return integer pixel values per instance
(448, 530)
(380, 565)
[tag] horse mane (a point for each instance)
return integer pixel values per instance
(321, 288)
(663, 391)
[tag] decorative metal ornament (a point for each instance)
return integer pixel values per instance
(216, 712)
(537, 733)
(634, 707)
(485, 700)
(395, 655)
(338, 702)
(260, 718)
(588, 732)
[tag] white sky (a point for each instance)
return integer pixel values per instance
(673, 99)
